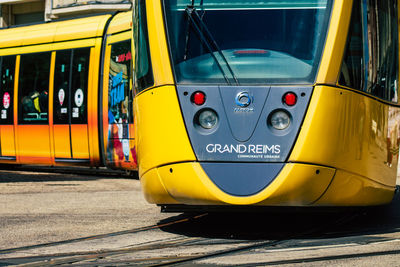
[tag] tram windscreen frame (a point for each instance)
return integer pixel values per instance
(251, 42)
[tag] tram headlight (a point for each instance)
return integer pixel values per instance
(279, 119)
(207, 119)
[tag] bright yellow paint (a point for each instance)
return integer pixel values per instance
(33, 145)
(76, 44)
(72, 29)
(25, 50)
(7, 140)
(120, 23)
(161, 136)
(348, 189)
(62, 144)
(296, 185)
(158, 44)
(335, 43)
(347, 131)
(53, 32)
(119, 37)
(79, 141)
(48, 47)
(92, 102)
(153, 188)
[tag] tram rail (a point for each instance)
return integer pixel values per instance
(152, 254)
(101, 236)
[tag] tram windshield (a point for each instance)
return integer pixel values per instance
(246, 41)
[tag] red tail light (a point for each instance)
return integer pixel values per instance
(290, 99)
(198, 98)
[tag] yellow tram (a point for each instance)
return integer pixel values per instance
(267, 103)
(66, 93)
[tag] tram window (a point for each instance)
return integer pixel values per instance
(33, 88)
(61, 87)
(120, 96)
(352, 74)
(7, 89)
(382, 80)
(79, 84)
(143, 71)
(371, 59)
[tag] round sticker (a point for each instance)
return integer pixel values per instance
(6, 100)
(79, 98)
(61, 96)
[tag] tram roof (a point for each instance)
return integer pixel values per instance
(120, 23)
(51, 32)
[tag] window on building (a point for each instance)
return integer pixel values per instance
(28, 18)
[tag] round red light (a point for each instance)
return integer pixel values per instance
(199, 98)
(290, 99)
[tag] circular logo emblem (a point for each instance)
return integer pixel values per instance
(243, 99)
(79, 98)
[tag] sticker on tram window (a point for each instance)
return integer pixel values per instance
(75, 113)
(79, 97)
(126, 149)
(6, 100)
(61, 96)
(64, 110)
(3, 114)
(124, 57)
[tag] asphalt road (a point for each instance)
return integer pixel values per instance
(39, 207)
(103, 220)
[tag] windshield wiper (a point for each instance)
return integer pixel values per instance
(209, 41)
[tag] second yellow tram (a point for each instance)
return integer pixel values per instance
(66, 93)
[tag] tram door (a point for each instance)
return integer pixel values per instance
(7, 80)
(70, 120)
(120, 135)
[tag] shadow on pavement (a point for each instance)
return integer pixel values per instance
(273, 225)
(10, 173)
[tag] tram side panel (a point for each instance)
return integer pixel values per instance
(354, 140)
(54, 102)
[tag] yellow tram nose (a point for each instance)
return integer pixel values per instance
(336, 151)
(188, 183)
